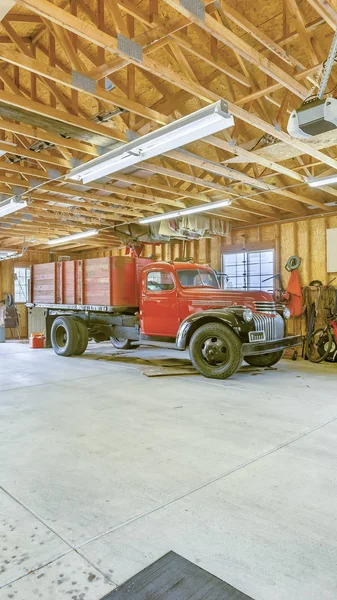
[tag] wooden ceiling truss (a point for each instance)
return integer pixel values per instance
(80, 76)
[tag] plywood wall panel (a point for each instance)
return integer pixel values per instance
(267, 233)
(318, 249)
(303, 249)
(288, 244)
(202, 250)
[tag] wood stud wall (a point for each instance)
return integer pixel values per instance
(306, 238)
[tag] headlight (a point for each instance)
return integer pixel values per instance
(247, 315)
(286, 313)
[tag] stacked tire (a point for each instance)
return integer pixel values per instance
(69, 336)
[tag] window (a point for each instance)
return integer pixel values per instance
(21, 284)
(159, 281)
(197, 278)
(249, 270)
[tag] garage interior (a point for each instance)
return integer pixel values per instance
(116, 456)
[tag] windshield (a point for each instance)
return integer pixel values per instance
(197, 278)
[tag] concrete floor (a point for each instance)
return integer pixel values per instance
(103, 470)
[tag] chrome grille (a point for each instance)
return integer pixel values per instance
(272, 326)
(265, 307)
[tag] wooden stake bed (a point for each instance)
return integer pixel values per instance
(98, 284)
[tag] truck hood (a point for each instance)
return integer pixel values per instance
(228, 297)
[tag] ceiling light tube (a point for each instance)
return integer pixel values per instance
(71, 238)
(5, 7)
(10, 206)
(186, 211)
(319, 181)
(10, 256)
(195, 126)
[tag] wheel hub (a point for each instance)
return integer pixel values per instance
(214, 351)
(61, 336)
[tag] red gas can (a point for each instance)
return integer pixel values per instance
(37, 340)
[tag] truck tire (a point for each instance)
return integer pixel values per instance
(121, 343)
(264, 360)
(83, 337)
(64, 336)
(215, 351)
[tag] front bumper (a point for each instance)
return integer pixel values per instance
(251, 348)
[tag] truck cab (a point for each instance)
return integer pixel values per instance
(170, 292)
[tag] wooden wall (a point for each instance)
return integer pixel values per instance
(205, 251)
(306, 238)
(7, 284)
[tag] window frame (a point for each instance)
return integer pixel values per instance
(27, 269)
(191, 287)
(246, 252)
(160, 291)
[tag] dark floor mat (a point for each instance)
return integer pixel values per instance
(172, 577)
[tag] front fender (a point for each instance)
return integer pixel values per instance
(231, 316)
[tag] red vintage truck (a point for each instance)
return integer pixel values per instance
(134, 301)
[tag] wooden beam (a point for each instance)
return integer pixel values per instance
(39, 156)
(27, 52)
(66, 44)
(40, 134)
(115, 13)
(255, 32)
(75, 25)
(212, 167)
(296, 14)
(326, 10)
(58, 76)
(249, 156)
(59, 115)
(227, 37)
(201, 53)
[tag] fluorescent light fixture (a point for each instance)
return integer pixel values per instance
(186, 211)
(10, 255)
(9, 144)
(5, 7)
(75, 236)
(195, 126)
(11, 205)
(319, 181)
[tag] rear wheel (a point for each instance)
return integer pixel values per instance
(264, 360)
(83, 337)
(121, 343)
(64, 336)
(215, 351)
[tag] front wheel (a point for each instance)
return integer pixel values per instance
(264, 360)
(215, 351)
(121, 343)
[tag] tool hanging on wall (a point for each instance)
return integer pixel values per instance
(293, 263)
(294, 288)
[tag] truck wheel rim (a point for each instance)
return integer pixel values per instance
(215, 351)
(61, 336)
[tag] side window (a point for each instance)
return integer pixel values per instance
(159, 281)
(21, 284)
